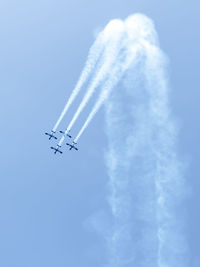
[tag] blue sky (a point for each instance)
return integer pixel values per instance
(45, 201)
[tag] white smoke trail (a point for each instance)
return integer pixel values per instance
(145, 179)
(115, 75)
(134, 40)
(145, 175)
(93, 57)
(168, 177)
(115, 32)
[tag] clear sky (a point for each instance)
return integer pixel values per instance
(46, 200)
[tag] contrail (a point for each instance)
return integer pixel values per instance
(146, 181)
(133, 43)
(134, 40)
(115, 32)
(145, 175)
(93, 57)
(114, 76)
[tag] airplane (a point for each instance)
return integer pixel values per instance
(66, 134)
(51, 135)
(72, 145)
(56, 149)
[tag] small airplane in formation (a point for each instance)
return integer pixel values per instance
(51, 135)
(72, 146)
(56, 149)
(66, 134)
